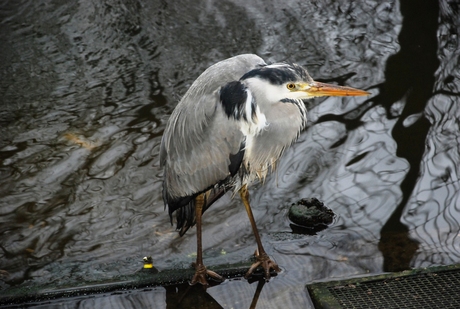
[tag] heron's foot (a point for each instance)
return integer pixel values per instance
(200, 275)
(266, 263)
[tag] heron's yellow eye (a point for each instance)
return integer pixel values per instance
(290, 86)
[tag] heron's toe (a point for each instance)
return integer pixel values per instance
(200, 275)
(266, 263)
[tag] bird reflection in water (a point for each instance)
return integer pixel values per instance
(196, 296)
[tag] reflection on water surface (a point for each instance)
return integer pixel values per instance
(87, 87)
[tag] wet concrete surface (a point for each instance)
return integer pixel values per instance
(86, 88)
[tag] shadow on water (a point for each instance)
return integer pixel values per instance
(196, 296)
(189, 296)
(186, 296)
(410, 73)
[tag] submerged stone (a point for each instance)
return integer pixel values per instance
(310, 213)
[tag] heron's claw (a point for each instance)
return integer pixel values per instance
(200, 275)
(266, 263)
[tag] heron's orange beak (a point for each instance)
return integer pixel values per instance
(317, 89)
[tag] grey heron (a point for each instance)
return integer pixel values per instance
(228, 130)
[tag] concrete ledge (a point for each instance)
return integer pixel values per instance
(28, 294)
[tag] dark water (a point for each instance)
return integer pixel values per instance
(86, 88)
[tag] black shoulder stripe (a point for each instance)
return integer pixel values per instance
(233, 97)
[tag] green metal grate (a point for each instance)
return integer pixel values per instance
(417, 289)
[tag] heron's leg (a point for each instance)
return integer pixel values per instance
(262, 258)
(201, 271)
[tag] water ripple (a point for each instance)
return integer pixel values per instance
(86, 88)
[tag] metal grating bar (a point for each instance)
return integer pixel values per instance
(427, 289)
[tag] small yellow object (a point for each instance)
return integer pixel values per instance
(148, 263)
(223, 252)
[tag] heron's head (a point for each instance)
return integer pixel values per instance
(284, 82)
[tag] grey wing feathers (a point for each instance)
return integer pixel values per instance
(200, 140)
(201, 158)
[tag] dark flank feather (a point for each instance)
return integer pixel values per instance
(184, 207)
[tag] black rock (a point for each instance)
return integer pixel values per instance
(310, 213)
